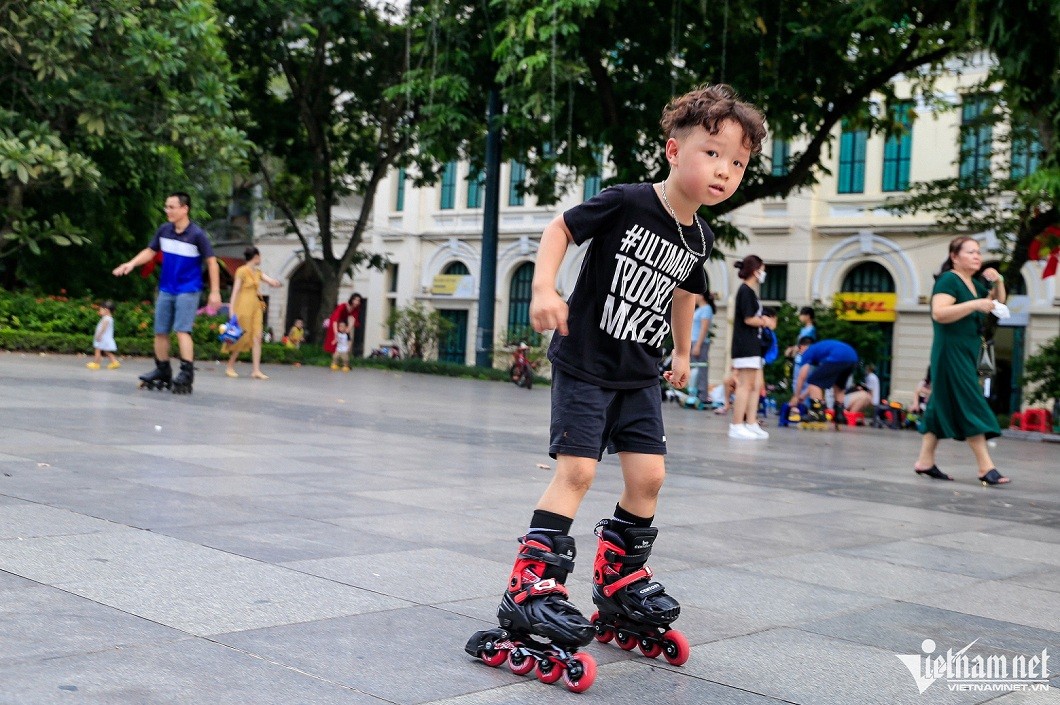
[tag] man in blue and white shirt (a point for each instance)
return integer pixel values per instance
(184, 246)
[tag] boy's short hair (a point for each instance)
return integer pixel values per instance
(805, 340)
(109, 305)
(710, 106)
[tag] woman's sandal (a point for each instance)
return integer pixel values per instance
(993, 477)
(932, 472)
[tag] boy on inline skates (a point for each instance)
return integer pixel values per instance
(647, 250)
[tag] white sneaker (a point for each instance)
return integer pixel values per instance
(756, 430)
(739, 430)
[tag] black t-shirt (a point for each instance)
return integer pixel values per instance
(619, 311)
(746, 340)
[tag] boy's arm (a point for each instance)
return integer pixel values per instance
(548, 310)
(684, 306)
(142, 257)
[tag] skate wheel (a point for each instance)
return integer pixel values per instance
(675, 647)
(549, 671)
(580, 673)
(521, 664)
(604, 633)
(626, 642)
(494, 657)
(651, 649)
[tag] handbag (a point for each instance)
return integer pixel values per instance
(986, 365)
(232, 332)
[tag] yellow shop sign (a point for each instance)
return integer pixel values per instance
(863, 306)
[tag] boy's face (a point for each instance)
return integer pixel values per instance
(709, 167)
(298, 323)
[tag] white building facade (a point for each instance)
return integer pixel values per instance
(822, 242)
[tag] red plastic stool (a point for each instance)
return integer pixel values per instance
(1037, 420)
(854, 417)
(1016, 420)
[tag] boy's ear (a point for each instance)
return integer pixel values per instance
(673, 146)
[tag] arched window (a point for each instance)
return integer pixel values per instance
(873, 277)
(869, 276)
(519, 293)
(456, 267)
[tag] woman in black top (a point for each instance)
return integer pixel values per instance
(747, 323)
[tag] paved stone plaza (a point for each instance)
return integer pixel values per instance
(326, 538)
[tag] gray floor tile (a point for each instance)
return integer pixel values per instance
(900, 627)
(864, 575)
(43, 623)
(174, 674)
(813, 670)
(1003, 601)
(454, 576)
(948, 560)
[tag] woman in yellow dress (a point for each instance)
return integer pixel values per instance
(248, 307)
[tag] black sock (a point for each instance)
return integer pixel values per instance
(549, 523)
(624, 519)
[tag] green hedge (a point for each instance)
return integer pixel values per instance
(73, 343)
(60, 324)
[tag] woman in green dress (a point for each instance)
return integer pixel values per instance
(959, 303)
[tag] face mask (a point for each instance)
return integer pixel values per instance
(760, 275)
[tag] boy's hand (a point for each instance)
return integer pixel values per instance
(679, 371)
(122, 269)
(548, 311)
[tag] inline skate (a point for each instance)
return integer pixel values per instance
(815, 418)
(535, 607)
(159, 378)
(631, 609)
(839, 416)
(184, 379)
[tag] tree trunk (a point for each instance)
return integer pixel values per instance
(329, 296)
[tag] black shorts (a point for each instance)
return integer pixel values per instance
(831, 374)
(587, 419)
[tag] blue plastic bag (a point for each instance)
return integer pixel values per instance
(769, 346)
(232, 332)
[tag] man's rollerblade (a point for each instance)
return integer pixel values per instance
(536, 605)
(815, 419)
(839, 417)
(183, 381)
(633, 610)
(159, 378)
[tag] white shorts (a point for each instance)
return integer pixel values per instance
(748, 363)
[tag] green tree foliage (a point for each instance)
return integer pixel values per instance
(316, 76)
(1022, 38)
(1042, 373)
(106, 105)
(581, 77)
